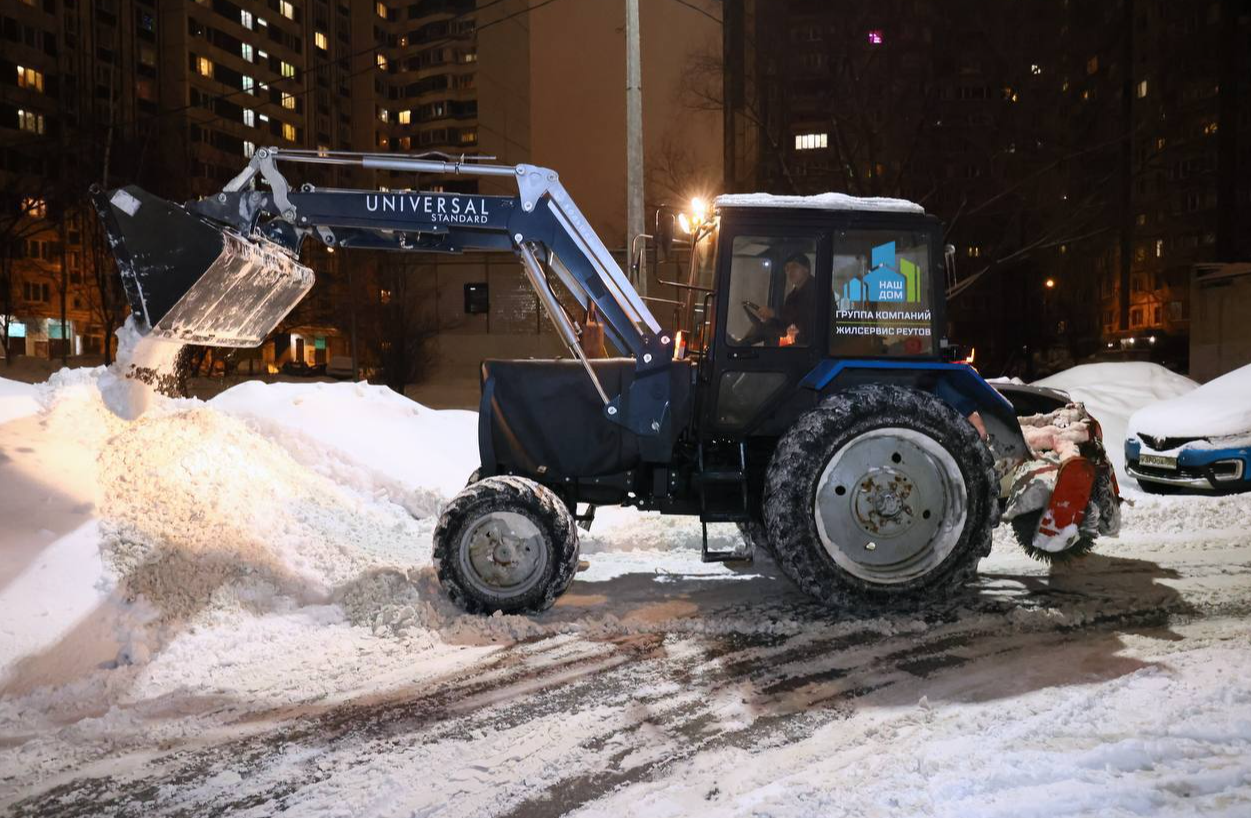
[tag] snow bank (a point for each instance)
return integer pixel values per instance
(1219, 408)
(17, 400)
(368, 437)
(203, 511)
(1112, 393)
(197, 505)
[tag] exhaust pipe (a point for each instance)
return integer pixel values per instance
(193, 281)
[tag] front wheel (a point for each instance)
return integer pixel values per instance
(880, 492)
(506, 544)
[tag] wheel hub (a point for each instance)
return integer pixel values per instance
(880, 503)
(503, 553)
(889, 505)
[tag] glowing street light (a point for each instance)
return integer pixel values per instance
(1051, 283)
(698, 216)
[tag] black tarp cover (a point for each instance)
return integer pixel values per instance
(543, 417)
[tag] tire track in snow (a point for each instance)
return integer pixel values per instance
(665, 698)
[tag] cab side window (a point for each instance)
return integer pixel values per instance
(881, 299)
(773, 292)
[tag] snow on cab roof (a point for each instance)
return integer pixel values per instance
(822, 201)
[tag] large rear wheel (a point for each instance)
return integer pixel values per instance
(880, 492)
(506, 544)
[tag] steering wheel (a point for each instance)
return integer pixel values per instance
(753, 313)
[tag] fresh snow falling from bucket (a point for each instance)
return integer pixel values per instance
(144, 367)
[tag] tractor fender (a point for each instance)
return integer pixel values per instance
(957, 384)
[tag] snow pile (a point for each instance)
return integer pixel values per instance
(1114, 391)
(821, 201)
(199, 509)
(201, 512)
(1219, 408)
(16, 400)
(366, 437)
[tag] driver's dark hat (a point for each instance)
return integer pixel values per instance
(801, 259)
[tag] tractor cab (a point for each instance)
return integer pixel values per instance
(804, 280)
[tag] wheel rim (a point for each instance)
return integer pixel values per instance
(890, 505)
(503, 554)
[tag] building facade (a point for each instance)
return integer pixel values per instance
(177, 95)
(1083, 156)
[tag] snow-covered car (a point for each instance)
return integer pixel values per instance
(1197, 441)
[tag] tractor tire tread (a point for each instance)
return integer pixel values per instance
(807, 446)
(516, 494)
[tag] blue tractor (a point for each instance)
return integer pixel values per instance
(801, 386)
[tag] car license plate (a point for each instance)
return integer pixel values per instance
(1158, 461)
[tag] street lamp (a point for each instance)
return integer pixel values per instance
(1051, 283)
(698, 216)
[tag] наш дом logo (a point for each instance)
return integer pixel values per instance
(890, 279)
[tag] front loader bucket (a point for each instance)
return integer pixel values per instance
(191, 281)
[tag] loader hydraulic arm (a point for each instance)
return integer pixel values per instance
(541, 225)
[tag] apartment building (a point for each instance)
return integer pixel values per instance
(1084, 156)
(177, 95)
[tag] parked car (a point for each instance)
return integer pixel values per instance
(1199, 441)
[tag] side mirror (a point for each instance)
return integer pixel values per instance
(666, 226)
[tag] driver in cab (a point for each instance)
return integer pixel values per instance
(793, 325)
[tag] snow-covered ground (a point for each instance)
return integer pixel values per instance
(228, 607)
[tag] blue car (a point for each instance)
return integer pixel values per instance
(1199, 441)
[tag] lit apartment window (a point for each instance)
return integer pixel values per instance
(247, 51)
(1209, 128)
(204, 66)
(1035, 69)
(1159, 248)
(288, 131)
(320, 40)
(811, 141)
(288, 101)
(249, 117)
(35, 208)
(469, 136)
(1142, 88)
(381, 8)
(974, 251)
(382, 62)
(30, 121)
(384, 115)
(875, 36)
(249, 148)
(405, 117)
(249, 84)
(29, 78)
(288, 70)
(286, 9)
(245, 17)
(469, 56)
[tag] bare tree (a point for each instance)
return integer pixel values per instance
(397, 323)
(23, 215)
